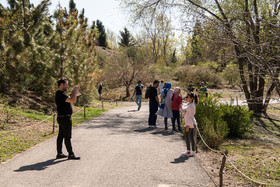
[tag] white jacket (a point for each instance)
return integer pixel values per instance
(189, 112)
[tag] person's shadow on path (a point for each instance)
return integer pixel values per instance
(132, 110)
(39, 166)
(180, 159)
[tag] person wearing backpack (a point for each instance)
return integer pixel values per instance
(176, 105)
(138, 90)
(153, 104)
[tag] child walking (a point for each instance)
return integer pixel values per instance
(176, 105)
(189, 124)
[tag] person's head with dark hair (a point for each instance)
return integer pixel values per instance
(139, 82)
(161, 81)
(62, 84)
(191, 97)
(156, 83)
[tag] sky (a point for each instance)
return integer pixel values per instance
(107, 11)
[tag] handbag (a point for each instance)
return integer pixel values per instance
(162, 105)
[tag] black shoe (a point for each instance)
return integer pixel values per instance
(61, 155)
(73, 157)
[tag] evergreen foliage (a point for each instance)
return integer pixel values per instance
(37, 49)
(126, 38)
(102, 39)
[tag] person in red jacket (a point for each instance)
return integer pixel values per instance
(176, 105)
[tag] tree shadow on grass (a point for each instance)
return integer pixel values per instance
(180, 159)
(39, 166)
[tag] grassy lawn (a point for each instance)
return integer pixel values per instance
(27, 130)
(258, 155)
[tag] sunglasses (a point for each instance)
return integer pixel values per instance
(187, 97)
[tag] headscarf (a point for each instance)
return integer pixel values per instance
(167, 87)
(177, 90)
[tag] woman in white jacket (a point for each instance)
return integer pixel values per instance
(189, 123)
(165, 109)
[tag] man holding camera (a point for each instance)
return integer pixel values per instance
(64, 112)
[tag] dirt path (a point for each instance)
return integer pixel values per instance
(116, 149)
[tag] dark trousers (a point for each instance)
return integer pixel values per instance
(176, 116)
(65, 132)
(190, 139)
(153, 108)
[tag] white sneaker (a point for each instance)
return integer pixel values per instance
(192, 153)
(186, 153)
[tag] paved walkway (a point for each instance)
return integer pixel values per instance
(116, 149)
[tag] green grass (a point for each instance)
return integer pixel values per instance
(89, 114)
(33, 115)
(14, 142)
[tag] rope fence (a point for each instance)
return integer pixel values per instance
(225, 157)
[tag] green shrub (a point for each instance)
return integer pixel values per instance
(217, 121)
(237, 119)
(209, 116)
(214, 135)
(6, 113)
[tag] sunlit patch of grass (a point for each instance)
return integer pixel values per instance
(17, 141)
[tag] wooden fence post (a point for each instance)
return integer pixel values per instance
(222, 168)
(102, 105)
(237, 101)
(53, 122)
(84, 111)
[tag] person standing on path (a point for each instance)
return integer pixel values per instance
(161, 85)
(153, 104)
(165, 108)
(189, 123)
(64, 112)
(176, 105)
(138, 90)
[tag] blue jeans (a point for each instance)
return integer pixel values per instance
(138, 100)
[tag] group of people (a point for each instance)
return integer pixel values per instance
(163, 101)
(168, 104)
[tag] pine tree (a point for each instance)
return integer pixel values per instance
(102, 39)
(126, 38)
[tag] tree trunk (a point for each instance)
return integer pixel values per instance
(127, 91)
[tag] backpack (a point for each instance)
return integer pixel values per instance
(147, 93)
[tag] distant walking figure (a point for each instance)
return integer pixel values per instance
(153, 104)
(64, 112)
(100, 91)
(189, 123)
(165, 108)
(138, 90)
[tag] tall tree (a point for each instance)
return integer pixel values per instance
(102, 39)
(126, 38)
(244, 23)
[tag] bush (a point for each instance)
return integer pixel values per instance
(209, 116)
(214, 137)
(237, 119)
(6, 113)
(196, 75)
(217, 121)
